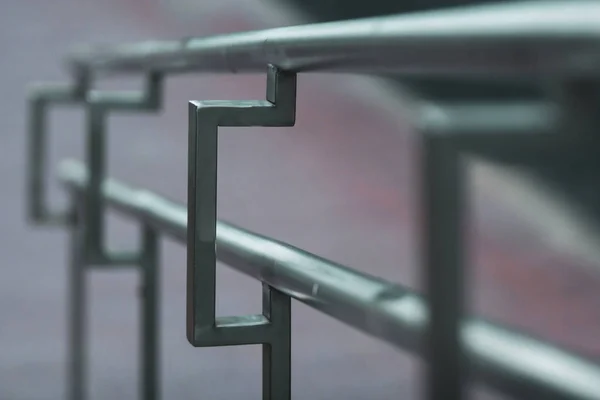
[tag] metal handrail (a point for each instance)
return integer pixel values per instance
(532, 38)
(556, 42)
(505, 360)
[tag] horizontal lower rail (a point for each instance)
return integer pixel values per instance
(510, 362)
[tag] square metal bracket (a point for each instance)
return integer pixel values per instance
(99, 105)
(40, 99)
(204, 119)
(272, 327)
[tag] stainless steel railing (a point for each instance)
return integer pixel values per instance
(554, 44)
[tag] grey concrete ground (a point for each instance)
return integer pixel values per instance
(340, 184)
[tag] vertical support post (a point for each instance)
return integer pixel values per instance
(95, 154)
(443, 256)
(149, 321)
(202, 220)
(77, 368)
(37, 159)
(277, 361)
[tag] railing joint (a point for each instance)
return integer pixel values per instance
(233, 331)
(148, 99)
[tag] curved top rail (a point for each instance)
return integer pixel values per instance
(528, 38)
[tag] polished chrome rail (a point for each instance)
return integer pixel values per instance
(555, 45)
